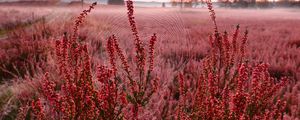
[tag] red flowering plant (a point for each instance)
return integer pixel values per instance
(79, 96)
(139, 83)
(228, 87)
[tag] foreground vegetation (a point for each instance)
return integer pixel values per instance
(81, 77)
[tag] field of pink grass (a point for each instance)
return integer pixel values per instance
(28, 36)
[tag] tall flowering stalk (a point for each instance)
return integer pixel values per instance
(242, 48)
(234, 44)
(140, 52)
(140, 89)
(142, 85)
(212, 14)
(80, 20)
(151, 52)
(232, 89)
(111, 52)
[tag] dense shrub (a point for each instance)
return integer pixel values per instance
(228, 87)
(79, 96)
(22, 56)
(25, 49)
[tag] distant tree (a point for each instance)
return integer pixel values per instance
(116, 2)
(163, 4)
(185, 3)
(174, 3)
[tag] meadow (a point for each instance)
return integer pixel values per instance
(150, 63)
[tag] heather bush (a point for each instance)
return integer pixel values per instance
(25, 50)
(22, 57)
(17, 93)
(228, 87)
(291, 95)
(81, 96)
